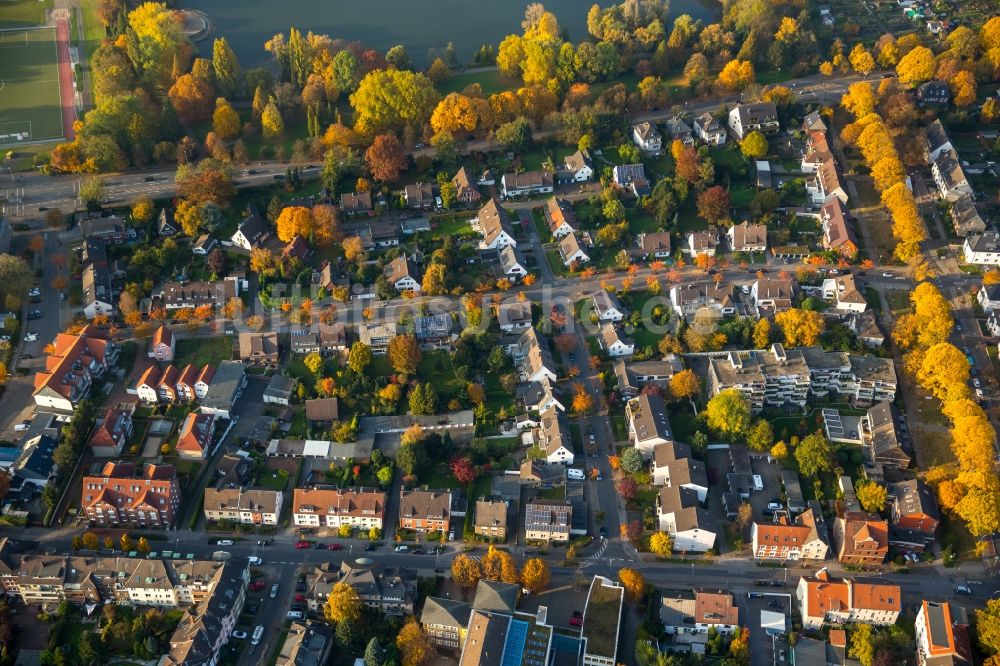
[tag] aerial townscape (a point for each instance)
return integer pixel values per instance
(413, 334)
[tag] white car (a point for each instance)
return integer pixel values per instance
(274, 590)
(575, 474)
(774, 506)
(402, 549)
(31, 337)
(887, 275)
(256, 561)
(35, 291)
(294, 615)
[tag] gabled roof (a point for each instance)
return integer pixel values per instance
(493, 219)
(646, 131)
(655, 241)
(445, 613)
(569, 246)
(559, 212)
(195, 435)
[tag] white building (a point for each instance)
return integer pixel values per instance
(615, 342)
(843, 292)
(709, 130)
(982, 249)
(759, 116)
(826, 600)
(680, 514)
(361, 508)
(647, 137)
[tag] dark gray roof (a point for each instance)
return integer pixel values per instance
(445, 612)
(492, 595)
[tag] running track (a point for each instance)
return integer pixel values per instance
(65, 77)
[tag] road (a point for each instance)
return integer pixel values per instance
(42, 192)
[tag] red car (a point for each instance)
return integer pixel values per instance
(302, 544)
(300, 597)
(257, 585)
(335, 546)
(577, 619)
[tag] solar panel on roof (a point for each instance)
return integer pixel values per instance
(513, 648)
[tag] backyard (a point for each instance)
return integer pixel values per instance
(201, 351)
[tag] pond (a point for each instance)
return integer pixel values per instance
(420, 25)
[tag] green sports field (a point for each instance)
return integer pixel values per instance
(30, 102)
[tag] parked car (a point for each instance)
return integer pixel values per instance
(402, 549)
(31, 337)
(335, 546)
(255, 561)
(225, 542)
(963, 589)
(294, 615)
(257, 585)
(302, 544)
(274, 591)
(239, 634)
(300, 597)
(577, 619)
(370, 547)
(773, 506)
(35, 291)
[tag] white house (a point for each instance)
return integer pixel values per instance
(607, 306)
(679, 514)
(759, 116)
(709, 130)
(253, 231)
(663, 455)
(949, 176)
(701, 242)
(571, 251)
(541, 396)
(560, 217)
(982, 249)
(553, 438)
(511, 263)
(647, 137)
(494, 224)
(688, 618)
(402, 274)
(98, 295)
(514, 317)
(843, 292)
(746, 237)
(989, 297)
(648, 423)
(942, 634)
(824, 599)
(614, 342)
(578, 168)
(937, 141)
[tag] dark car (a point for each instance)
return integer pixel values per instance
(251, 172)
(279, 176)
(149, 179)
(777, 583)
(371, 547)
(301, 587)
(418, 551)
(252, 610)
(36, 299)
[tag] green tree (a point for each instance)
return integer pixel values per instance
(92, 191)
(390, 100)
(374, 653)
(814, 455)
(515, 135)
(728, 413)
(754, 145)
(863, 644)
(228, 73)
(398, 57)
(410, 457)
(359, 357)
(631, 460)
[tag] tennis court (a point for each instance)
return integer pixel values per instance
(30, 98)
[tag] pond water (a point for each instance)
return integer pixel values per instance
(421, 25)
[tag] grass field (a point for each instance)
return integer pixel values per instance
(20, 13)
(30, 105)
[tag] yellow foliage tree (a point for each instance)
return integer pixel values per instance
(861, 60)
(633, 582)
(737, 74)
(917, 66)
(963, 88)
(466, 571)
(800, 327)
(342, 604)
(535, 575)
(944, 372)
(500, 565)
(685, 385)
(271, 122)
(225, 120)
(660, 544)
(413, 644)
(859, 99)
(294, 221)
(931, 321)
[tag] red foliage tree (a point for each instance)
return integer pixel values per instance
(713, 204)
(627, 488)
(463, 470)
(386, 158)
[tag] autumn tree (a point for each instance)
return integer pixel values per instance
(142, 545)
(685, 385)
(800, 327)
(760, 437)
(583, 401)
(466, 571)
(390, 100)
(359, 357)
(633, 583)
(872, 496)
(225, 120)
(754, 145)
(861, 60)
(433, 282)
(944, 371)
(413, 645)
(386, 158)
(342, 604)
(862, 645)
(963, 88)
(814, 455)
(713, 204)
(142, 210)
(226, 67)
(463, 470)
(294, 221)
(728, 413)
(535, 575)
(500, 565)
(762, 333)
(660, 544)
(271, 122)
(988, 619)
(917, 66)
(404, 354)
(192, 99)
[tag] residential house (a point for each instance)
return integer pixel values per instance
(553, 438)
(679, 130)
(466, 192)
(512, 264)
(356, 203)
(701, 243)
(746, 237)
(648, 424)
(379, 234)
(614, 341)
(950, 178)
(560, 217)
(166, 225)
(110, 436)
(817, 151)
(259, 348)
(185, 386)
(577, 168)
(536, 473)
(602, 614)
(533, 357)
(419, 196)
(865, 328)
(98, 292)
(687, 299)
(607, 306)
(787, 541)
(861, 538)
(709, 129)
(377, 336)
(305, 644)
(632, 376)
(982, 249)
(425, 510)
(663, 455)
(297, 249)
(194, 439)
(322, 411)
(514, 317)
(825, 183)
(571, 252)
(647, 137)
(252, 506)
(147, 388)
(391, 591)
(913, 516)
(631, 177)
(688, 617)
(176, 295)
(989, 297)
(491, 519)
(843, 292)
(227, 384)
(934, 92)
(494, 224)
(942, 635)
(526, 184)
(680, 514)
(772, 294)
(166, 388)
(654, 245)
(328, 506)
(433, 331)
(965, 216)
(253, 231)
(937, 141)
(117, 494)
(279, 390)
(755, 117)
(813, 122)
(540, 396)
(71, 368)
(203, 381)
(163, 344)
(547, 520)
(880, 439)
(824, 599)
(838, 233)
(402, 274)
(445, 621)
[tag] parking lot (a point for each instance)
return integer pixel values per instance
(763, 610)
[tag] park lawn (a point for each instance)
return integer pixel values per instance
(199, 351)
(20, 13)
(491, 81)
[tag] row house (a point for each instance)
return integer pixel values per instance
(71, 368)
(965, 216)
(861, 538)
(494, 224)
(491, 519)
(826, 183)
(98, 291)
(949, 176)
(205, 629)
(681, 515)
(177, 295)
(824, 599)
(252, 506)
(118, 494)
(361, 508)
(169, 384)
(391, 591)
(533, 358)
(672, 464)
(325, 339)
(648, 423)
(982, 249)
(526, 184)
(687, 299)
(553, 438)
(838, 232)
(548, 520)
(425, 510)
(108, 230)
(540, 396)
(753, 117)
(790, 541)
(937, 141)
